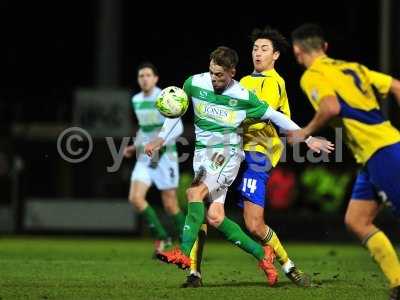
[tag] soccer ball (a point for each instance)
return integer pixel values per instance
(172, 102)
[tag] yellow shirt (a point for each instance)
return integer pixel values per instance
(258, 136)
(355, 86)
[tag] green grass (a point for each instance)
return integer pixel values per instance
(50, 268)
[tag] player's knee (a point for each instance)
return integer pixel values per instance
(171, 206)
(138, 202)
(256, 227)
(215, 218)
(348, 221)
(193, 194)
(131, 199)
(190, 192)
(354, 223)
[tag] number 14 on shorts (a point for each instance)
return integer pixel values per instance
(249, 184)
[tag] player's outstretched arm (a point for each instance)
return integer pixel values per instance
(329, 108)
(281, 120)
(153, 146)
(171, 130)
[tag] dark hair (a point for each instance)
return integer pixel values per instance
(225, 57)
(309, 36)
(149, 65)
(279, 42)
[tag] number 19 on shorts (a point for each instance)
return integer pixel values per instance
(249, 184)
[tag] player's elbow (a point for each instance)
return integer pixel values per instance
(395, 86)
(331, 107)
(334, 111)
(395, 89)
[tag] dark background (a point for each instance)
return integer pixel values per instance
(50, 49)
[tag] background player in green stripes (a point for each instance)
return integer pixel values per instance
(163, 170)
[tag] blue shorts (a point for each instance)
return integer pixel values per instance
(379, 179)
(253, 178)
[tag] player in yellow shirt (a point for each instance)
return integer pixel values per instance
(345, 93)
(263, 149)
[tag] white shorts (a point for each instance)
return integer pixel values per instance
(165, 174)
(217, 168)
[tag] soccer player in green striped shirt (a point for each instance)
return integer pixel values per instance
(163, 171)
(220, 105)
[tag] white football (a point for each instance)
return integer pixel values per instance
(172, 102)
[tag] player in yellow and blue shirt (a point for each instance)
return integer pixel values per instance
(262, 145)
(345, 93)
(263, 137)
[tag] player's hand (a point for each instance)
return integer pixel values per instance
(315, 144)
(153, 146)
(129, 151)
(318, 145)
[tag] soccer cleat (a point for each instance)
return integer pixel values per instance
(395, 293)
(192, 281)
(267, 265)
(176, 257)
(161, 245)
(298, 277)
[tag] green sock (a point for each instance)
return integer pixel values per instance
(179, 221)
(194, 219)
(156, 228)
(235, 235)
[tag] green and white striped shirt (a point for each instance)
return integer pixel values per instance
(150, 120)
(217, 117)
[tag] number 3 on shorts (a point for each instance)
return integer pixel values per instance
(249, 183)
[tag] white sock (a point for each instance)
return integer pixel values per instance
(195, 273)
(287, 266)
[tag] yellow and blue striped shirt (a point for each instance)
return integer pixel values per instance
(260, 136)
(355, 87)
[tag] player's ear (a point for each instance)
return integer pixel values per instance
(276, 55)
(233, 72)
(326, 47)
(156, 79)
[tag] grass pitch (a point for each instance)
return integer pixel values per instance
(71, 268)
